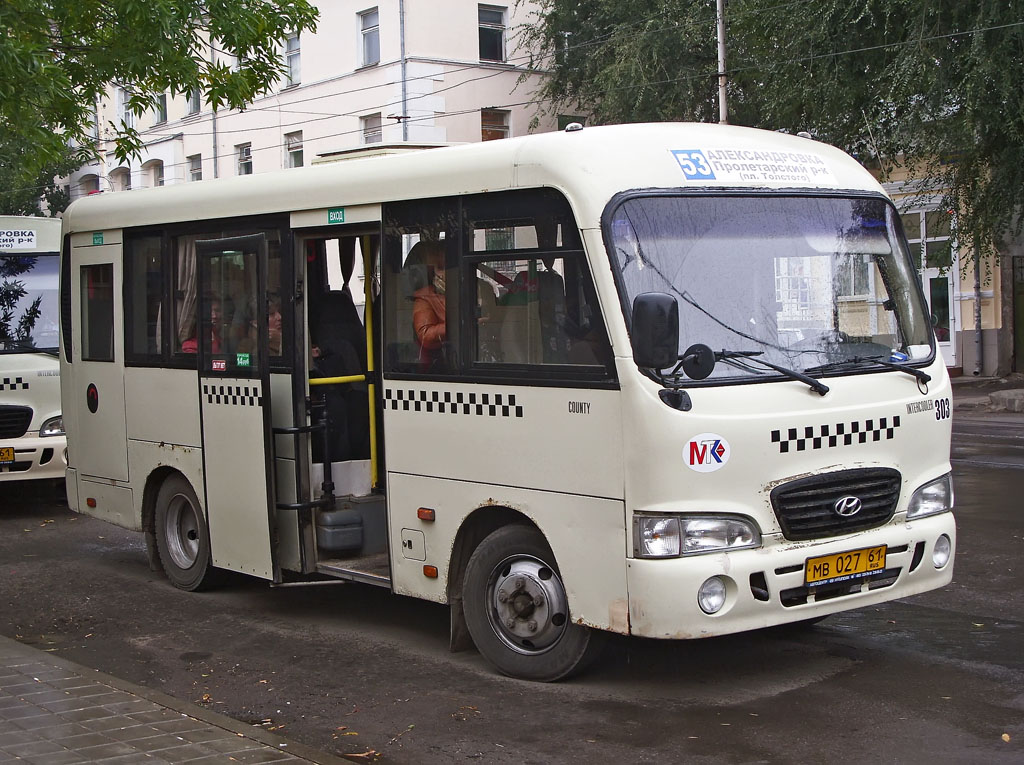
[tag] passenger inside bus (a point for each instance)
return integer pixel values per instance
(428, 313)
(191, 344)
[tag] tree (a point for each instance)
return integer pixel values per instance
(57, 57)
(932, 85)
(22, 192)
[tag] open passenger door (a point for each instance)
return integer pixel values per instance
(234, 395)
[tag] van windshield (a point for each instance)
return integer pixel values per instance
(809, 283)
(28, 303)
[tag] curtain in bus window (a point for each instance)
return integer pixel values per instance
(185, 295)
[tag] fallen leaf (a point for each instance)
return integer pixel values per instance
(1006, 737)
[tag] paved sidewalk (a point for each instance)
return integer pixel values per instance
(54, 712)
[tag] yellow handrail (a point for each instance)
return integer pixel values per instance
(365, 246)
(336, 380)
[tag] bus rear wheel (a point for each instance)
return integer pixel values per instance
(182, 537)
(517, 610)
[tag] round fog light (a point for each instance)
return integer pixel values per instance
(940, 555)
(711, 595)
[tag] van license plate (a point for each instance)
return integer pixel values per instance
(6, 455)
(842, 567)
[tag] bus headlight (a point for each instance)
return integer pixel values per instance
(702, 534)
(932, 498)
(52, 427)
(656, 536)
(669, 536)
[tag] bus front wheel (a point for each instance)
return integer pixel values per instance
(517, 610)
(181, 536)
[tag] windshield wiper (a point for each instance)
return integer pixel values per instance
(855, 361)
(731, 357)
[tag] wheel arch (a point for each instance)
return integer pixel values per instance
(149, 494)
(474, 529)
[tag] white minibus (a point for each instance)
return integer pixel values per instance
(663, 380)
(32, 443)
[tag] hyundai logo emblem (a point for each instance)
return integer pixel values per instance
(847, 506)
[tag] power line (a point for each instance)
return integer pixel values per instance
(688, 77)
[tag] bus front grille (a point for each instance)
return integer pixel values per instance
(14, 421)
(819, 506)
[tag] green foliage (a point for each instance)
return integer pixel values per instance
(57, 57)
(934, 86)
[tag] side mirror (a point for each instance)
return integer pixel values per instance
(655, 330)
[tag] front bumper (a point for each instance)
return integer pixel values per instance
(765, 587)
(35, 458)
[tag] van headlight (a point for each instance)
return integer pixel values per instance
(932, 498)
(52, 427)
(669, 536)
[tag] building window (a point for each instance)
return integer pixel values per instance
(293, 146)
(292, 60)
(195, 167)
(492, 33)
(194, 101)
(89, 184)
(158, 174)
(244, 153)
(124, 113)
(121, 180)
(493, 124)
(372, 130)
(369, 26)
(160, 111)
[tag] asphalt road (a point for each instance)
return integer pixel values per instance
(350, 668)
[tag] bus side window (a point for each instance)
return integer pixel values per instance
(421, 288)
(144, 309)
(98, 312)
(545, 313)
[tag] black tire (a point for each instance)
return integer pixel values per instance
(182, 537)
(517, 612)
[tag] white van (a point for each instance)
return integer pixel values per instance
(32, 442)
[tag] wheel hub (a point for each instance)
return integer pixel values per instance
(529, 607)
(181, 530)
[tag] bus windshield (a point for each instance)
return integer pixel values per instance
(813, 284)
(28, 303)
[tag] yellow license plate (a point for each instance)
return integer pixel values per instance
(845, 566)
(6, 455)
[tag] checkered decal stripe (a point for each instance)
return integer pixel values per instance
(232, 395)
(840, 434)
(16, 383)
(483, 404)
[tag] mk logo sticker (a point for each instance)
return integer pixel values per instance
(706, 452)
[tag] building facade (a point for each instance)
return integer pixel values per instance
(413, 72)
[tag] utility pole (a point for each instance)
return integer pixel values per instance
(723, 108)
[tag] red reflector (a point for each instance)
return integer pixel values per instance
(90, 502)
(425, 514)
(430, 572)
